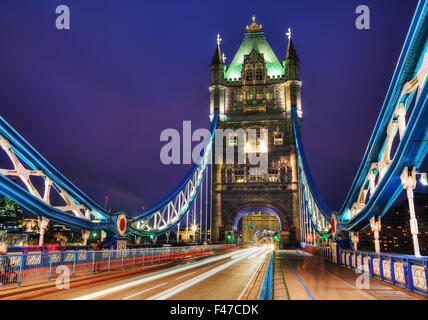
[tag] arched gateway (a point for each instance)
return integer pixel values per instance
(256, 91)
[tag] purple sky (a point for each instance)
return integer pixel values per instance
(94, 100)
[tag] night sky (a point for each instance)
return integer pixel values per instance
(94, 99)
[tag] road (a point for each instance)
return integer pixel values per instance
(234, 275)
(223, 277)
(299, 275)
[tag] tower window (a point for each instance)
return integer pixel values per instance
(249, 75)
(273, 175)
(259, 74)
(278, 139)
(233, 140)
(239, 176)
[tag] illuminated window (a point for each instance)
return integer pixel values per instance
(239, 176)
(233, 140)
(277, 138)
(259, 74)
(257, 178)
(273, 175)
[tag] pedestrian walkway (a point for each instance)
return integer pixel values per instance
(299, 275)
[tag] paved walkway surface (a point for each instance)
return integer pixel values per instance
(299, 275)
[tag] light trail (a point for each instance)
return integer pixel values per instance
(174, 290)
(148, 278)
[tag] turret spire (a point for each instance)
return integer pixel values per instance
(289, 34)
(218, 56)
(291, 60)
(291, 51)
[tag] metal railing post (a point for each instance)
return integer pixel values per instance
(406, 275)
(50, 267)
(20, 269)
(108, 263)
(426, 273)
(122, 258)
(93, 261)
(392, 271)
(371, 265)
(410, 274)
(74, 263)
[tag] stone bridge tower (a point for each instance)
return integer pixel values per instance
(256, 91)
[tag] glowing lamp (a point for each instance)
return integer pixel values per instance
(424, 179)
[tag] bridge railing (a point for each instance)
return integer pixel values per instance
(266, 290)
(405, 271)
(34, 268)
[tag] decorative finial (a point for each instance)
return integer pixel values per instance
(254, 27)
(218, 39)
(289, 33)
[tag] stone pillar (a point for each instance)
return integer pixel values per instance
(43, 224)
(355, 239)
(85, 236)
(376, 226)
(408, 180)
(401, 115)
(372, 181)
(137, 240)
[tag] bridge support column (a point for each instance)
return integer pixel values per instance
(85, 236)
(314, 236)
(355, 239)
(376, 226)
(43, 224)
(408, 180)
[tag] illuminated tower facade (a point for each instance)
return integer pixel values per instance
(256, 91)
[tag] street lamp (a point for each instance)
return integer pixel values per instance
(424, 179)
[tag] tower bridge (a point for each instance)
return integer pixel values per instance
(229, 203)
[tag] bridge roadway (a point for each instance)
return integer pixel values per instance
(230, 276)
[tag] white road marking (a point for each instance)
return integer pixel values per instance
(188, 274)
(138, 293)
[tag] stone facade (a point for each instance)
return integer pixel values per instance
(260, 98)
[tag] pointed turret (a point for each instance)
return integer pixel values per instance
(217, 64)
(218, 56)
(291, 60)
(292, 75)
(217, 90)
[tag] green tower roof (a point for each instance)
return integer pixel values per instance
(257, 41)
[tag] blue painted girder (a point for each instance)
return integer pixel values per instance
(37, 162)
